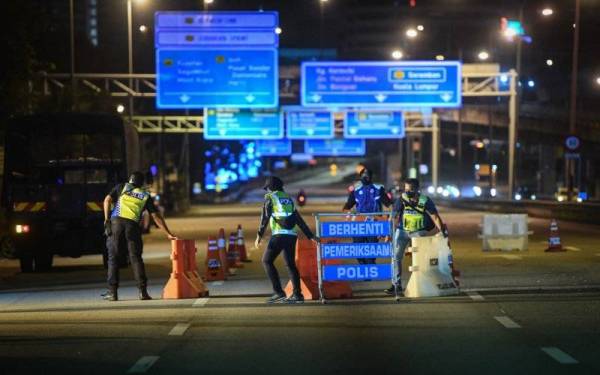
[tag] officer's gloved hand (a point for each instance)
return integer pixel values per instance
(107, 228)
(445, 231)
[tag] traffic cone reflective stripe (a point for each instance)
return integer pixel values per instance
(241, 245)
(233, 255)
(184, 281)
(554, 243)
(223, 252)
(214, 267)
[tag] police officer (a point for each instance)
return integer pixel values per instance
(130, 199)
(280, 213)
(417, 215)
(368, 198)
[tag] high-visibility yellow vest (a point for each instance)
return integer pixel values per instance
(131, 203)
(283, 207)
(413, 219)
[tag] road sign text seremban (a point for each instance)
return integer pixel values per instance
(355, 229)
(356, 250)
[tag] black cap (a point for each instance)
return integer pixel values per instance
(136, 179)
(273, 183)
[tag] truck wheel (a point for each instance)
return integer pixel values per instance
(26, 262)
(43, 262)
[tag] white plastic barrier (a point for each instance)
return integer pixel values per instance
(431, 274)
(505, 232)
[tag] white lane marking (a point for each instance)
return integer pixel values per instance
(572, 248)
(179, 329)
(507, 322)
(216, 283)
(475, 296)
(200, 302)
(511, 257)
(143, 364)
(559, 356)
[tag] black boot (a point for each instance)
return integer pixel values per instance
(144, 296)
(111, 295)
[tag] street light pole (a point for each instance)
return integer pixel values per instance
(72, 43)
(570, 163)
(130, 56)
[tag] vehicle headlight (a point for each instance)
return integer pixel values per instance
(518, 196)
(439, 190)
(579, 199)
(533, 197)
(22, 228)
(446, 193)
(560, 198)
(431, 190)
(493, 192)
(477, 190)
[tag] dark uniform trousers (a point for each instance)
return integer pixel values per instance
(287, 244)
(133, 237)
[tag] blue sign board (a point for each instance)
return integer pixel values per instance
(373, 124)
(217, 20)
(381, 84)
(274, 147)
(357, 272)
(335, 147)
(223, 124)
(204, 39)
(356, 250)
(307, 124)
(221, 78)
(344, 229)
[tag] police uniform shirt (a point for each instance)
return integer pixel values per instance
(115, 193)
(267, 211)
(430, 209)
(383, 198)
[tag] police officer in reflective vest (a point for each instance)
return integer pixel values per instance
(417, 215)
(130, 200)
(368, 198)
(279, 212)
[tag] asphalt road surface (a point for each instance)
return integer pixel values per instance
(525, 312)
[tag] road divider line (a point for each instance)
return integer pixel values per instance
(200, 302)
(507, 322)
(559, 356)
(475, 296)
(143, 364)
(179, 329)
(572, 248)
(216, 283)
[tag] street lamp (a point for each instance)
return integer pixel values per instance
(547, 12)
(531, 83)
(278, 30)
(549, 62)
(440, 58)
(120, 108)
(598, 80)
(143, 28)
(208, 1)
(420, 27)
(411, 33)
(483, 55)
(397, 54)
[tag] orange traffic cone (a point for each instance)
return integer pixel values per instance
(214, 267)
(233, 255)
(184, 281)
(306, 261)
(241, 245)
(223, 252)
(554, 244)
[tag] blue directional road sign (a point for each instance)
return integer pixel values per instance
(357, 272)
(220, 78)
(274, 147)
(335, 147)
(309, 124)
(343, 229)
(373, 124)
(217, 20)
(356, 250)
(222, 124)
(381, 84)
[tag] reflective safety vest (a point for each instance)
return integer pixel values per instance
(283, 209)
(367, 198)
(413, 217)
(131, 203)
